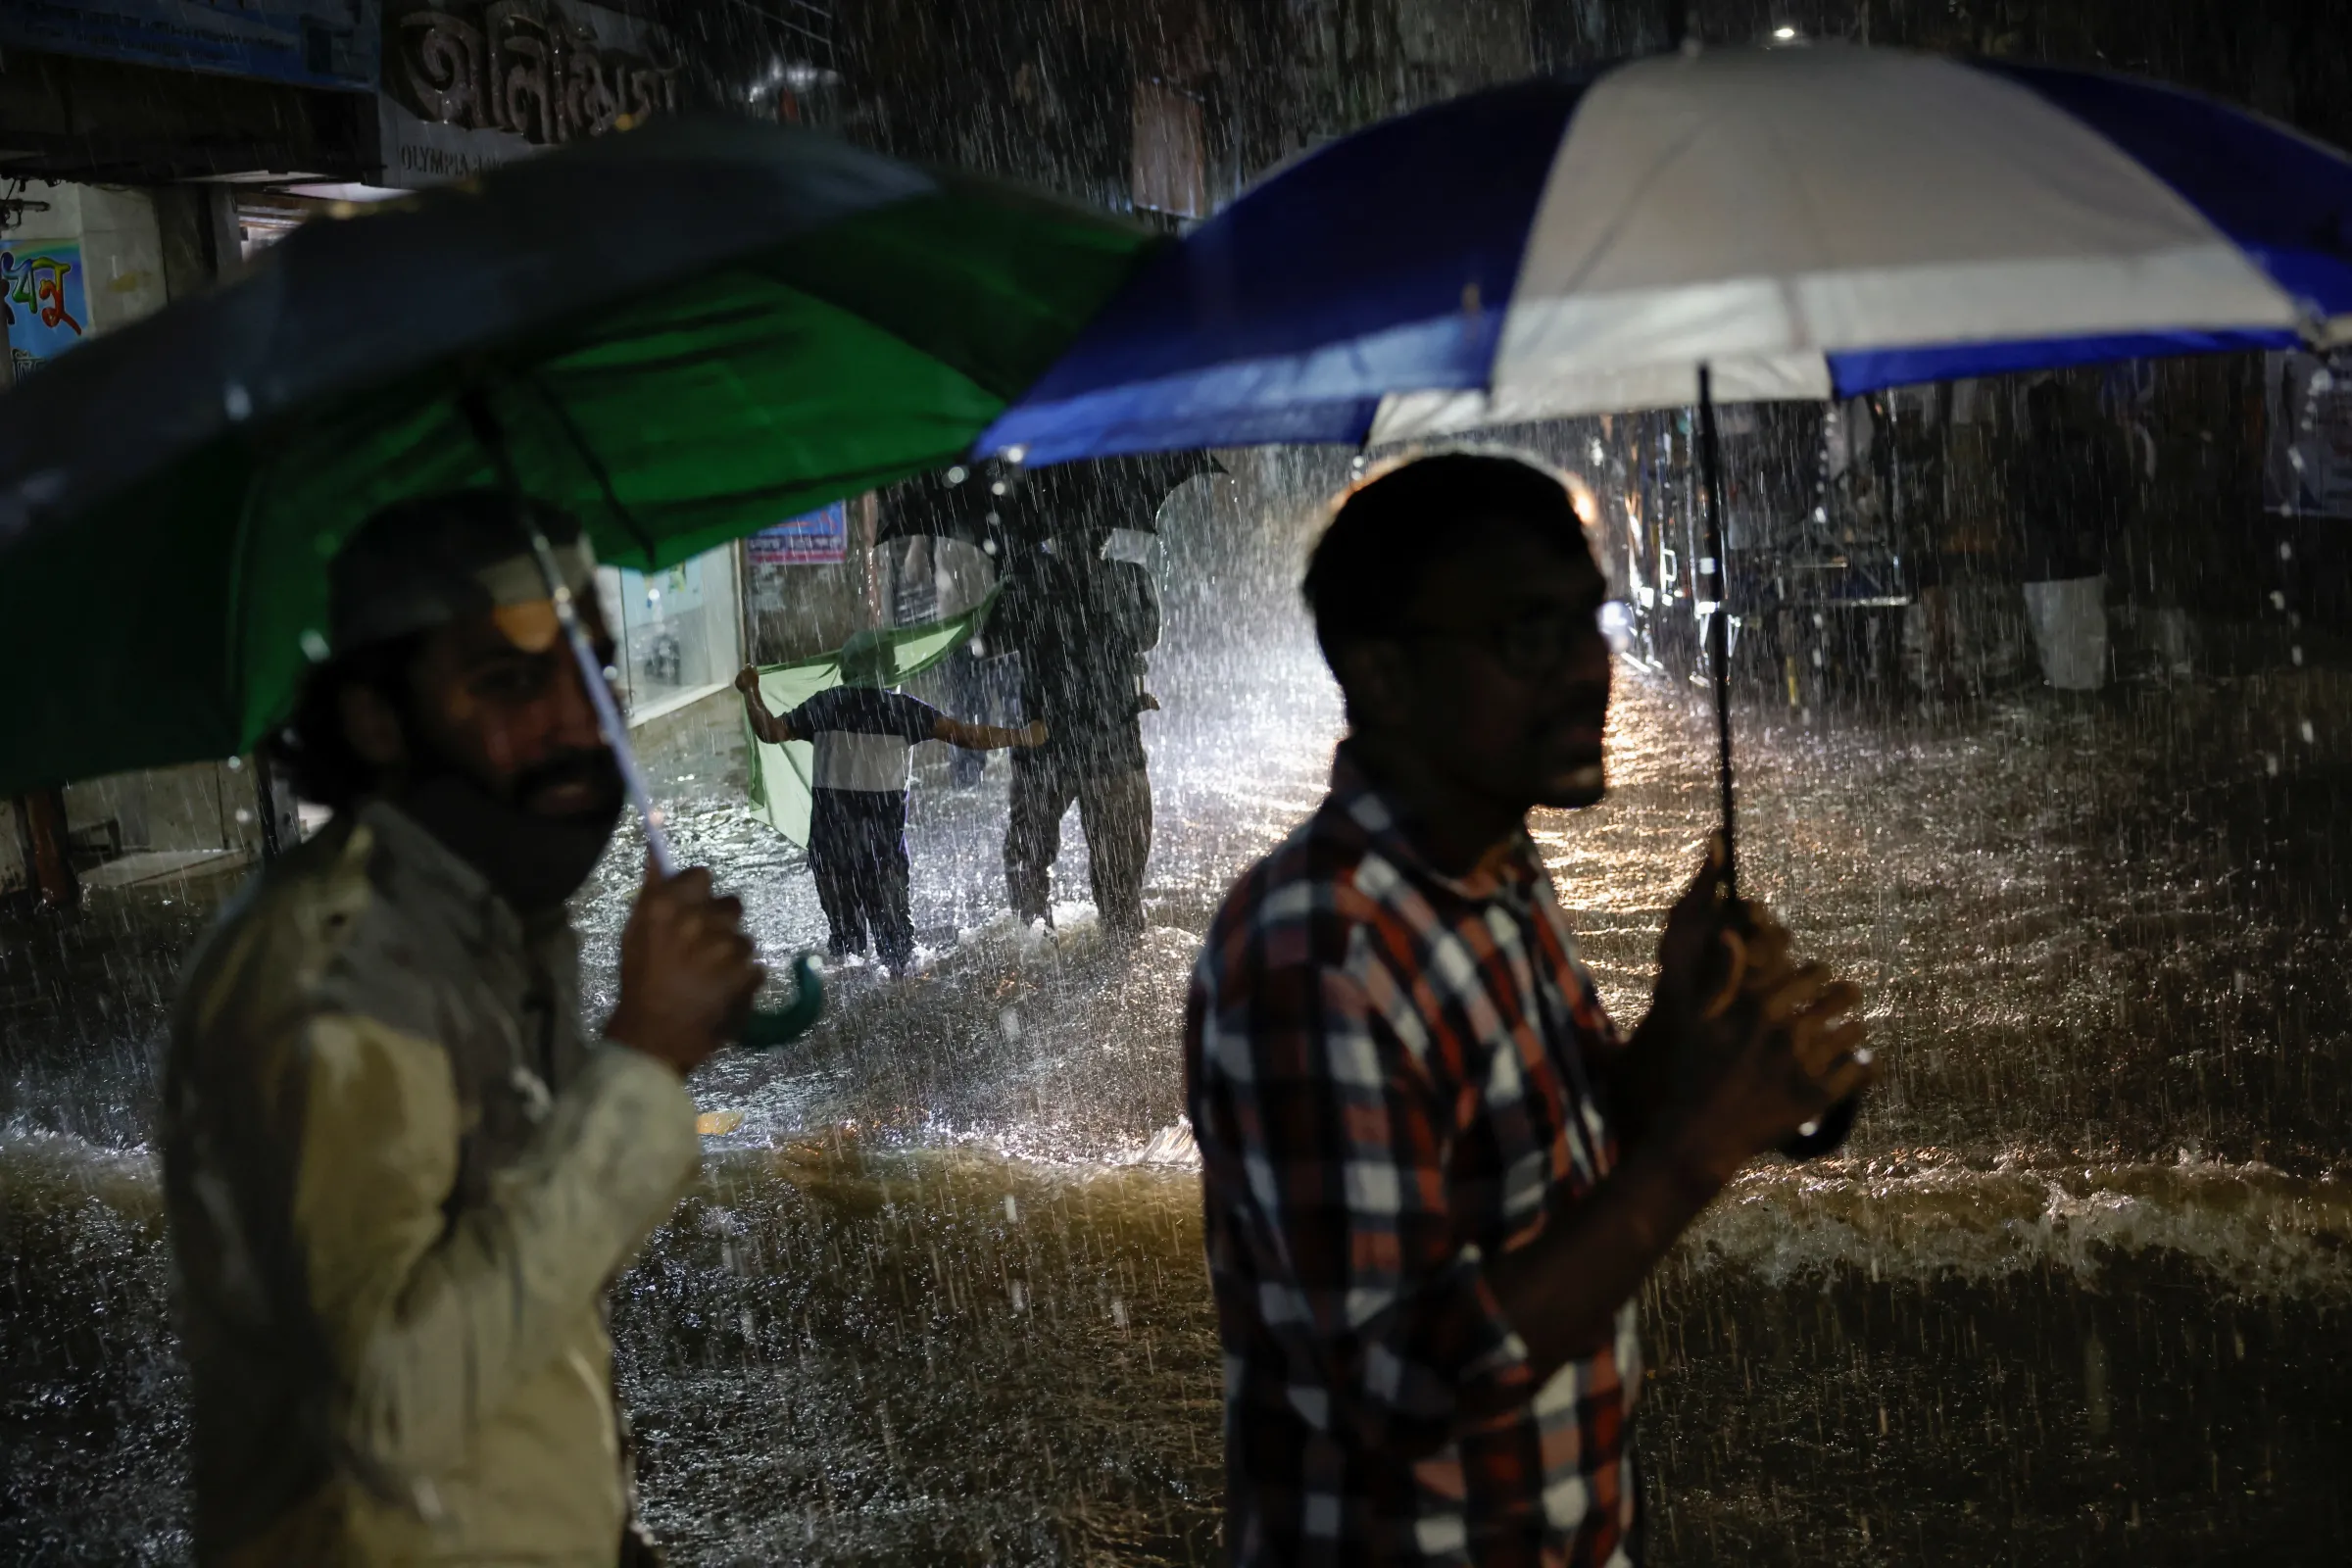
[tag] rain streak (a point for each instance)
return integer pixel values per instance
(2075, 1290)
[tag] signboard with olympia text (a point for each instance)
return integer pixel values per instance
(305, 43)
(819, 539)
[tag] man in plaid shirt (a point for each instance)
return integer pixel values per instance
(1435, 1173)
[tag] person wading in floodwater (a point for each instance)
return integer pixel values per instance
(1081, 625)
(2070, 493)
(398, 1171)
(1435, 1175)
(865, 737)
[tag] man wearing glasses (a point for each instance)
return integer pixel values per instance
(1435, 1173)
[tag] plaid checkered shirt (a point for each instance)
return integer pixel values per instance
(1387, 1074)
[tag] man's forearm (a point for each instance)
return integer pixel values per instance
(766, 725)
(1562, 1290)
(1642, 1079)
(489, 1304)
(434, 1324)
(979, 737)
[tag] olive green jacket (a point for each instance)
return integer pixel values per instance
(399, 1181)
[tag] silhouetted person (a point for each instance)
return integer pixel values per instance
(1081, 625)
(2068, 494)
(1434, 1174)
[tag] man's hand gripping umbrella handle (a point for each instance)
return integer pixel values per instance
(1726, 974)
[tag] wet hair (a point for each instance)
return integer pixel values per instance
(313, 752)
(1387, 532)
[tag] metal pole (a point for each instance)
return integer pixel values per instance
(264, 797)
(1719, 641)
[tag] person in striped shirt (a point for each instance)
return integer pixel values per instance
(1434, 1172)
(866, 736)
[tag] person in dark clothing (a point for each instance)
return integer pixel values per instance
(1081, 625)
(1435, 1173)
(864, 736)
(2068, 494)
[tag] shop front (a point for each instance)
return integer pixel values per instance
(678, 632)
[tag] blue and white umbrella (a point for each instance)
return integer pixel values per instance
(1736, 227)
(1806, 222)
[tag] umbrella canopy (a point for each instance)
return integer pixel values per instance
(686, 333)
(1809, 222)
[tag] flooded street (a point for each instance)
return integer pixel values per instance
(2075, 1292)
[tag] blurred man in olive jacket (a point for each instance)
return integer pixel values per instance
(400, 1172)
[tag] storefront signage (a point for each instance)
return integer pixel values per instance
(469, 86)
(544, 71)
(821, 538)
(42, 294)
(308, 43)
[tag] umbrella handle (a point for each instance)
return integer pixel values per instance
(1718, 621)
(769, 1027)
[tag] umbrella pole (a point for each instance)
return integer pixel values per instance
(1719, 637)
(1827, 1132)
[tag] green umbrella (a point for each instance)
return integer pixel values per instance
(683, 333)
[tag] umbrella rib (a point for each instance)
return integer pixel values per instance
(667, 361)
(706, 317)
(929, 351)
(595, 465)
(1615, 226)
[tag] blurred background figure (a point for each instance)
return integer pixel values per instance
(1082, 626)
(2069, 496)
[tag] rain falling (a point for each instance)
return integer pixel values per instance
(2038, 679)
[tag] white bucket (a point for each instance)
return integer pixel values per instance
(2069, 618)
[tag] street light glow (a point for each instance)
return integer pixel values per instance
(1784, 33)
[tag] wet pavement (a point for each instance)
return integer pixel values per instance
(2075, 1292)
